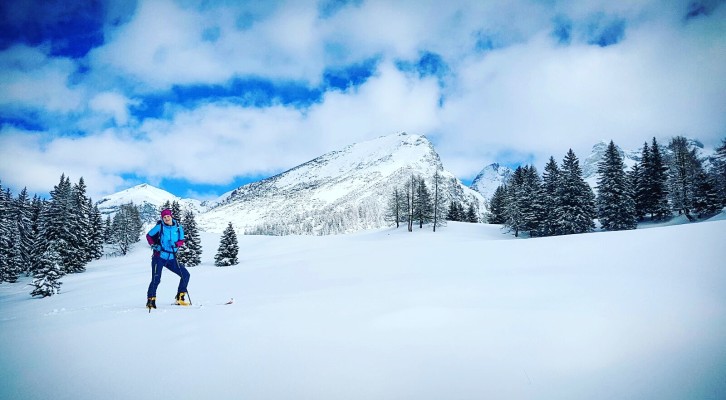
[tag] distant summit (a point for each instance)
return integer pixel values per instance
(490, 178)
(148, 198)
(342, 191)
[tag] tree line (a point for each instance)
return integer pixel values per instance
(666, 181)
(50, 238)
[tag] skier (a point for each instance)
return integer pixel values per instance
(166, 238)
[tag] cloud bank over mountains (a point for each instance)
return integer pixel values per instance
(198, 98)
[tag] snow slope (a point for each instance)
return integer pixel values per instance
(388, 314)
(343, 191)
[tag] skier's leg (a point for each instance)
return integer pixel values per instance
(156, 269)
(183, 273)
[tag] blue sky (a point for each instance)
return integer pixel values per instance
(199, 97)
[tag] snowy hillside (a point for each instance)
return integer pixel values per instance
(388, 315)
(149, 199)
(490, 178)
(340, 192)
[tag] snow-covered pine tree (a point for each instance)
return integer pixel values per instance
(455, 212)
(56, 224)
(548, 195)
(15, 261)
(719, 166)
(706, 200)
(615, 205)
(471, 216)
(107, 231)
(228, 248)
(190, 253)
(684, 166)
(497, 206)
(531, 201)
(46, 279)
(423, 205)
(655, 177)
(24, 223)
(515, 219)
(79, 228)
(524, 203)
(176, 211)
(634, 177)
(36, 206)
(575, 209)
(126, 227)
(8, 229)
(96, 239)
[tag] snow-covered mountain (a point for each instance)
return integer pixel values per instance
(633, 156)
(589, 164)
(339, 192)
(149, 199)
(490, 178)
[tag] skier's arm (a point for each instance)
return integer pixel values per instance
(150, 235)
(180, 242)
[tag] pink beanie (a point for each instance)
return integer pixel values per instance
(166, 212)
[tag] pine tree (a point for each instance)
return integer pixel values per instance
(635, 176)
(531, 200)
(47, 278)
(550, 185)
(228, 248)
(656, 181)
(79, 229)
(684, 167)
(471, 214)
(56, 225)
(190, 253)
(514, 213)
(107, 231)
(36, 206)
(455, 212)
(423, 205)
(439, 202)
(24, 223)
(706, 200)
(96, 237)
(719, 167)
(8, 233)
(126, 227)
(616, 208)
(575, 209)
(524, 202)
(497, 206)
(176, 211)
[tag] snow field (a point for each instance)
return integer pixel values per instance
(463, 313)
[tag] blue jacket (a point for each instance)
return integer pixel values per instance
(170, 239)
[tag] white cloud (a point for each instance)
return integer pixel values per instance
(113, 104)
(542, 99)
(527, 97)
(32, 79)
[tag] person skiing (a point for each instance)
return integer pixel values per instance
(165, 238)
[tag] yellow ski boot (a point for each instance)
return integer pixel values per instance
(181, 299)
